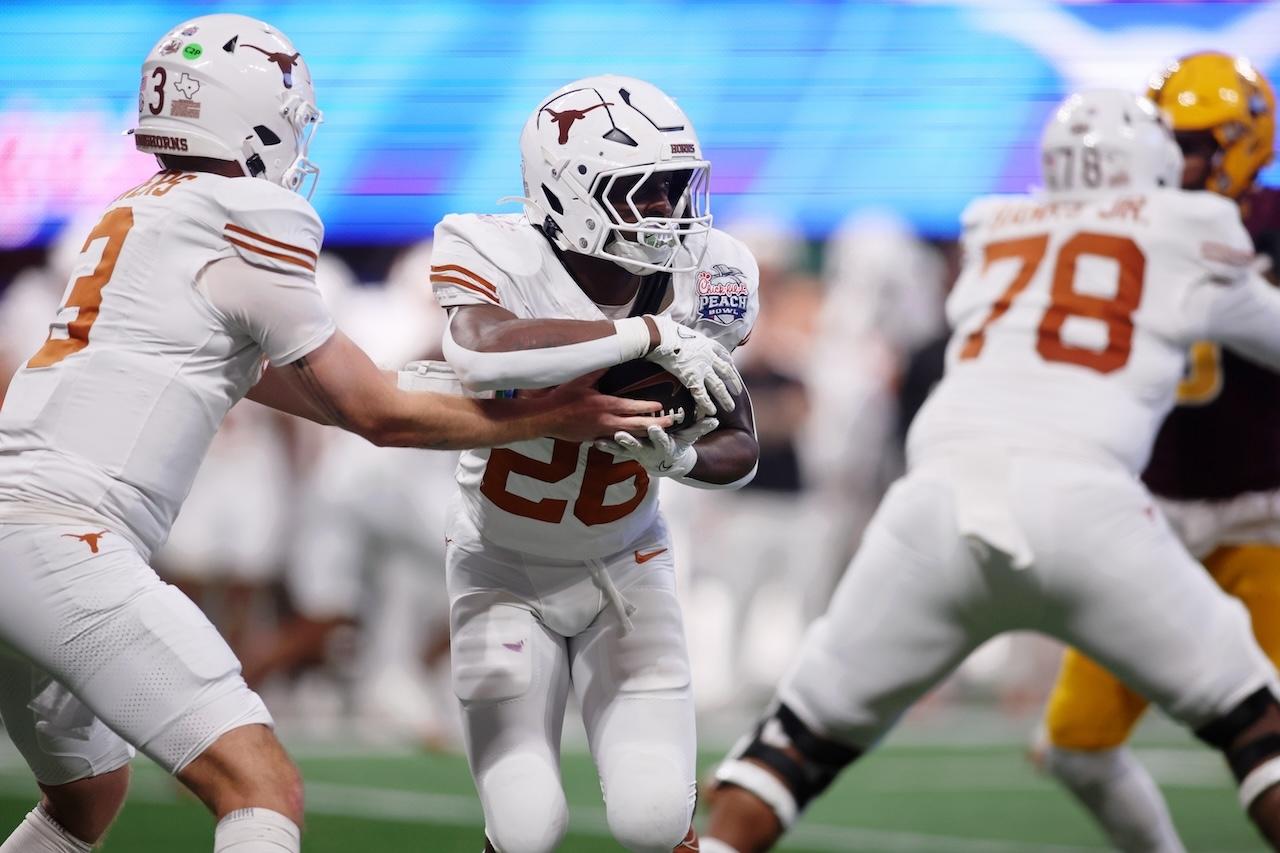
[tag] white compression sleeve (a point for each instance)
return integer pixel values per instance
(547, 366)
(39, 834)
(1121, 796)
(256, 830)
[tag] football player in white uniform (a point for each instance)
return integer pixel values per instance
(558, 562)
(1021, 509)
(185, 285)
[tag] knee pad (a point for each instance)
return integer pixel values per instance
(524, 806)
(649, 806)
(801, 764)
(1249, 737)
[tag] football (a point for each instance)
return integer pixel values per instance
(643, 380)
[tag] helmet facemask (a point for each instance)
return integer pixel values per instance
(302, 175)
(639, 241)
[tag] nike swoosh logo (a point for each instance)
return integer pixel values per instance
(515, 647)
(644, 558)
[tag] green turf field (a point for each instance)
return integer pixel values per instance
(948, 799)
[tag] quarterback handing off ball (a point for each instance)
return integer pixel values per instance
(644, 380)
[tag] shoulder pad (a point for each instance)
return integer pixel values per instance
(475, 257)
(268, 225)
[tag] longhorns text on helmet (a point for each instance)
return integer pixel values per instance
(586, 138)
(233, 88)
(1108, 140)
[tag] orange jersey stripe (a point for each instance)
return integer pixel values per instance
(231, 226)
(288, 259)
(469, 274)
(462, 282)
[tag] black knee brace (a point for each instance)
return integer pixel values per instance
(1252, 753)
(793, 782)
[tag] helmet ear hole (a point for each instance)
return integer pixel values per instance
(267, 135)
(553, 200)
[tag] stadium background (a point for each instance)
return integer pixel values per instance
(845, 140)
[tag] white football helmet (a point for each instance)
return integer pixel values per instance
(231, 88)
(590, 147)
(1109, 140)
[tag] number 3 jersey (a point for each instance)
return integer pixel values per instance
(1073, 315)
(108, 422)
(555, 498)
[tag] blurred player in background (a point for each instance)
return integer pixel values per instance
(1020, 509)
(182, 289)
(34, 296)
(750, 618)
(559, 564)
(884, 299)
(1215, 465)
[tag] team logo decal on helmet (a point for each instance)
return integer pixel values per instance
(284, 60)
(564, 120)
(722, 294)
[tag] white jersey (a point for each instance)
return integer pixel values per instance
(109, 420)
(554, 498)
(1073, 316)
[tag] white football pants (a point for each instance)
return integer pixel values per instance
(100, 654)
(527, 629)
(1107, 576)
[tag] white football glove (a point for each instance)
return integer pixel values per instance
(704, 366)
(664, 454)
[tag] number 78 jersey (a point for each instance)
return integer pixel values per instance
(1073, 316)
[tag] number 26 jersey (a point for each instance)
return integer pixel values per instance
(555, 498)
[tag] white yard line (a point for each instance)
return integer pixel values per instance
(455, 810)
(1175, 767)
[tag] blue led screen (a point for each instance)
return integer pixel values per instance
(807, 110)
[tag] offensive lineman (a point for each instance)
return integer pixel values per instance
(1215, 464)
(558, 563)
(184, 286)
(1021, 508)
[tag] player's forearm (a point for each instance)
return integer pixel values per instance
(446, 422)
(726, 459)
(541, 353)
(276, 391)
